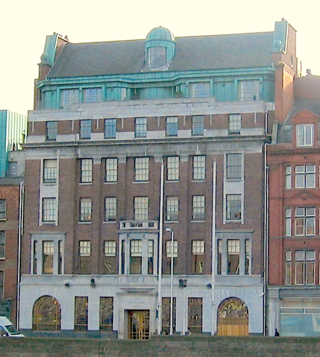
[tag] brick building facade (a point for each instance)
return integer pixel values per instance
(294, 245)
(153, 155)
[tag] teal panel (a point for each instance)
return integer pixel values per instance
(3, 144)
(225, 91)
(49, 52)
(280, 37)
(155, 93)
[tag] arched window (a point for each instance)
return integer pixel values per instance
(46, 314)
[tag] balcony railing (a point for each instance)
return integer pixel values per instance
(138, 225)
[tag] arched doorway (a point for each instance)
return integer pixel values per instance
(233, 318)
(46, 314)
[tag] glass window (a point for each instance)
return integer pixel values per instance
(111, 209)
(195, 314)
(141, 208)
(250, 90)
(166, 310)
(305, 221)
(106, 313)
(110, 262)
(150, 256)
(305, 134)
(288, 173)
(84, 256)
(52, 130)
(172, 213)
(135, 256)
(86, 170)
(169, 248)
(233, 208)
(234, 123)
(110, 128)
(3, 210)
(69, 97)
(85, 129)
(288, 268)
(141, 128)
(49, 171)
(199, 168)
(35, 258)
(198, 125)
(172, 126)
(81, 313)
(1, 284)
(85, 209)
(141, 166)
(234, 166)
(92, 95)
(111, 170)
(2, 244)
(157, 57)
(47, 257)
(48, 210)
(110, 248)
(304, 267)
(288, 222)
(305, 176)
(198, 256)
(247, 257)
(233, 256)
(219, 257)
(173, 168)
(198, 208)
(200, 89)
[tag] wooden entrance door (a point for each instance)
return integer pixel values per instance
(138, 324)
(233, 319)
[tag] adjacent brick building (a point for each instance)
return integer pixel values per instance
(294, 245)
(142, 152)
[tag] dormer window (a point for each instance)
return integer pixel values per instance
(305, 135)
(157, 57)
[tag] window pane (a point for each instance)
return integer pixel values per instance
(52, 130)
(48, 209)
(49, 171)
(198, 125)
(235, 123)
(233, 207)
(106, 313)
(47, 257)
(110, 128)
(198, 207)
(92, 95)
(141, 128)
(234, 166)
(85, 209)
(85, 129)
(173, 168)
(172, 209)
(201, 89)
(172, 126)
(157, 56)
(111, 209)
(86, 170)
(199, 168)
(3, 210)
(195, 315)
(81, 313)
(233, 256)
(2, 244)
(141, 206)
(249, 90)
(141, 166)
(111, 170)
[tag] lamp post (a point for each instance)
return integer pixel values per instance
(171, 282)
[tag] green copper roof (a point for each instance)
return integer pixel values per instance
(160, 33)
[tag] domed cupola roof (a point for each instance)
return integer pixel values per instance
(160, 33)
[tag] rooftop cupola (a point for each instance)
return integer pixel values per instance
(160, 47)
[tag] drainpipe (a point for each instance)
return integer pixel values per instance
(213, 245)
(20, 232)
(159, 329)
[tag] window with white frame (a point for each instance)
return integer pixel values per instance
(136, 256)
(51, 130)
(85, 210)
(198, 208)
(288, 177)
(69, 97)
(141, 168)
(110, 262)
(173, 172)
(86, 167)
(85, 129)
(233, 207)
(305, 221)
(111, 170)
(141, 208)
(234, 123)
(305, 176)
(84, 256)
(233, 246)
(233, 166)
(150, 256)
(110, 128)
(92, 95)
(157, 57)
(304, 267)
(2, 244)
(3, 210)
(305, 133)
(47, 254)
(172, 211)
(199, 167)
(288, 267)
(249, 90)
(288, 213)
(49, 171)
(172, 126)
(49, 210)
(141, 127)
(198, 256)
(1, 284)
(173, 254)
(110, 209)
(200, 89)
(198, 125)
